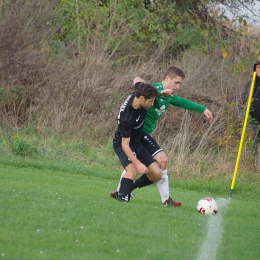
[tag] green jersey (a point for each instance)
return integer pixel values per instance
(162, 103)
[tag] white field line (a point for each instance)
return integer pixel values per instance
(208, 250)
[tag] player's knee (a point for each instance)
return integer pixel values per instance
(155, 175)
(158, 175)
(131, 172)
(162, 160)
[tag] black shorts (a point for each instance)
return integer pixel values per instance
(150, 144)
(139, 152)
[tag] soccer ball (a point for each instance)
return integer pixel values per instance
(207, 206)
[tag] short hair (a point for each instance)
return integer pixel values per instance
(146, 90)
(173, 72)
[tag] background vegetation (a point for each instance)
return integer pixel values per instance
(66, 66)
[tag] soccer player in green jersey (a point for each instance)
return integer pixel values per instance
(172, 81)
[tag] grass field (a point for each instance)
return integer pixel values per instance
(53, 214)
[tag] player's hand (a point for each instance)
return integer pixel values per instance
(208, 115)
(167, 92)
(141, 168)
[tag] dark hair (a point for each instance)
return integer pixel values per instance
(256, 63)
(173, 71)
(146, 90)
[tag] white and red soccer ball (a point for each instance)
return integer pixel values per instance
(207, 206)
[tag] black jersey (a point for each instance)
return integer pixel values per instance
(130, 122)
(255, 111)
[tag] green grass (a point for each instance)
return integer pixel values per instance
(48, 213)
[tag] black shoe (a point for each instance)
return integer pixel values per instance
(113, 194)
(124, 198)
(169, 203)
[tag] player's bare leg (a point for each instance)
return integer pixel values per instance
(163, 183)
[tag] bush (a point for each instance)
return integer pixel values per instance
(22, 147)
(24, 36)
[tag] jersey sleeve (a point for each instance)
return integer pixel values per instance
(125, 128)
(187, 104)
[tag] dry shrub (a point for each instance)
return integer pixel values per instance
(23, 63)
(65, 93)
(81, 98)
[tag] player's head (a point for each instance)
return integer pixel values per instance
(257, 68)
(146, 90)
(173, 72)
(173, 78)
(146, 93)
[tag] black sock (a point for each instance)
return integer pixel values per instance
(142, 182)
(126, 186)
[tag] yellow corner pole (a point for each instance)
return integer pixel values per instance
(243, 133)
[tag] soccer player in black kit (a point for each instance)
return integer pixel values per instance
(254, 127)
(127, 142)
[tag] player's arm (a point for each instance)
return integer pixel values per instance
(166, 92)
(138, 79)
(141, 168)
(187, 104)
(190, 105)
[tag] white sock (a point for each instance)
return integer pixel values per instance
(163, 186)
(122, 175)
